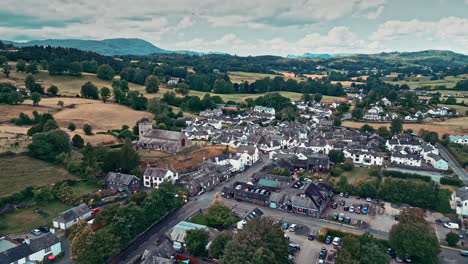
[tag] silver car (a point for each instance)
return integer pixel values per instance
(36, 232)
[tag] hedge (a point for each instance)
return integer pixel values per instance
(451, 181)
(402, 175)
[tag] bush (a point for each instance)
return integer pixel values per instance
(348, 165)
(451, 181)
(402, 175)
(88, 129)
(452, 239)
(71, 127)
(335, 172)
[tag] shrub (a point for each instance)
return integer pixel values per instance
(71, 127)
(451, 181)
(88, 129)
(335, 172)
(452, 239)
(402, 175)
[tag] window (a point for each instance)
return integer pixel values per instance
(47, 249)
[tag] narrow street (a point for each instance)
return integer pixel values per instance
(453, 163)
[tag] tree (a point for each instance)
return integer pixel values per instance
(105, 72)
(6, 70)
(260, 235)
(336, 155)
(61, 103)
(412, 215)
(105, 94)
(49, 125)
(32, 68)
(77, 142)
(30, 82)
(348, 165)
(128, 222)
(318, 97)
(125, 159)
(219, 215)
(396, 126)
(152, 84)
(53, 90)
(218, 244)
(452, 239)
(47, 146)
(75, 69)
(384, 132)
(416, 239)
(357, 114)
(88, 129)
(88, 90)
(344, 257)
(71, 127)
(196, 241)
(368, 189)
(36, 98)
(371, 253)
(337, 121)
(367, 128)
(20, 65)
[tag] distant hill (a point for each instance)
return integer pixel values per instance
(109, 47)
(315, 56)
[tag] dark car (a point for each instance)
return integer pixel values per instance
(408, 258)
(334, 205)
(311, 237)
(328, 240)
(323, 253)
(397, 217)
(391, 253)
(464, 253)
(347, 219)
(294, 247)
(342, 202)
(346, 208)
(44, 229)
(335, 216)
(346, 195)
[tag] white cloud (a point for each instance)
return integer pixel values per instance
(229, 43)
(449, 28)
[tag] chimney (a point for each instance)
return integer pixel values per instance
(27, 240)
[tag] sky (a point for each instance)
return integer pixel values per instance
(248, 27)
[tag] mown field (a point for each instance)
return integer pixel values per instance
(415, 82)
(453, 126)
(19, 172)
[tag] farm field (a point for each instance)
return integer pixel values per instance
(453, 126)
(8, 112)
(238, 77)
(415, 82)
(25, 171)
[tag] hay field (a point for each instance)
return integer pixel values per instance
(453, 126)
(239, 77)
(25, 171)
(8, 112)
(415, 82)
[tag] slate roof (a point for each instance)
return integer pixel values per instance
(72, 213)
(462, 193)
(119, 178)
(156, 172)
(164, 134)
(24, 250)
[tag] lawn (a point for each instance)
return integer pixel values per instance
(83, 188)
(357, 175)
(25, 171)
(26, 219)
(200, 219)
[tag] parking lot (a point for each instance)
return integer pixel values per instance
(309, 253)
(379, 218)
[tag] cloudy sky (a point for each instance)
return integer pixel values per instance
(248, 27)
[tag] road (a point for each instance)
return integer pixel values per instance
(451, 256)
(453, 163)
(187, 210)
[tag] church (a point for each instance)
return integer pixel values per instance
(163, 140)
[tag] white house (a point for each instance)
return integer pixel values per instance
(408, 160)
(459, 201)
(173, 81)
(367, 158)
(375, 110)
(463, 140)
(436, 161)
(152, 177)
(249, 154)
(31, 250)
(386, 102)
(72, 216)
(262, 109)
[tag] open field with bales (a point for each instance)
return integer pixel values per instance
(25, 171)
(415, 82)
(453, 126)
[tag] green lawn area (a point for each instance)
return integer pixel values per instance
(415, 82)
(83, 188)
(458, 153)
(19, 172)
(26, 219)
(357, 175)
(200, 219)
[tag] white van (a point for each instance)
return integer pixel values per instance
(454, 226)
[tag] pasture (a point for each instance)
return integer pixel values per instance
(453, 126)
(239, 77)
(19, 172)
(415, 82)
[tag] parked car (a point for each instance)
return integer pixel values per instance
(369, 199)
(464, 253)
(293, 228)
(311, 237)
(347, 220)
(328, 240)
(335, 216)
(408, 258)
(334, 205)
(346, 195)
(364, 210)
(342, 202)
(453, 226)
(390, 252)
(95, 211)
(44, 229)
(323, 253)
(336, 241)
(36, 232)
(351, 209)
(346, 208)
(285, 225)
(358, 210)
(294, 247)
(399, 259)
(397, 217)
(341, 217)
(341, 194)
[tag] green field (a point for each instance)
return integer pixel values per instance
(415, 82)
(27, 219)
(239, 98)
(19, 172)
(238, 77)
(357, 175)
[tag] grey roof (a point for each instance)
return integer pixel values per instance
(72, 213)
(114, 177)
(164, 134)
(24, 250)
(156, 172)
(462, 193)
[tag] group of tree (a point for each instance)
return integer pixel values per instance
(364, 249)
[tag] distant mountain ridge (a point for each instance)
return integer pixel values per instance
(319, 56)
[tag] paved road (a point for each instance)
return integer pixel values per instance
(453, 163)
(189, 209)
(451, 256)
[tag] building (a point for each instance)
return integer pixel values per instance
(460, 201)
(463, 140)
(178, 233)
(313, 201)
(251, 215)
(367, 158)
(152, 177)
(173, 81)
(436, 161)
(266, 110)
(163, 140)
(72, 216)
(406, 159)
(211, 113)
(31, 250)
(122, 182)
